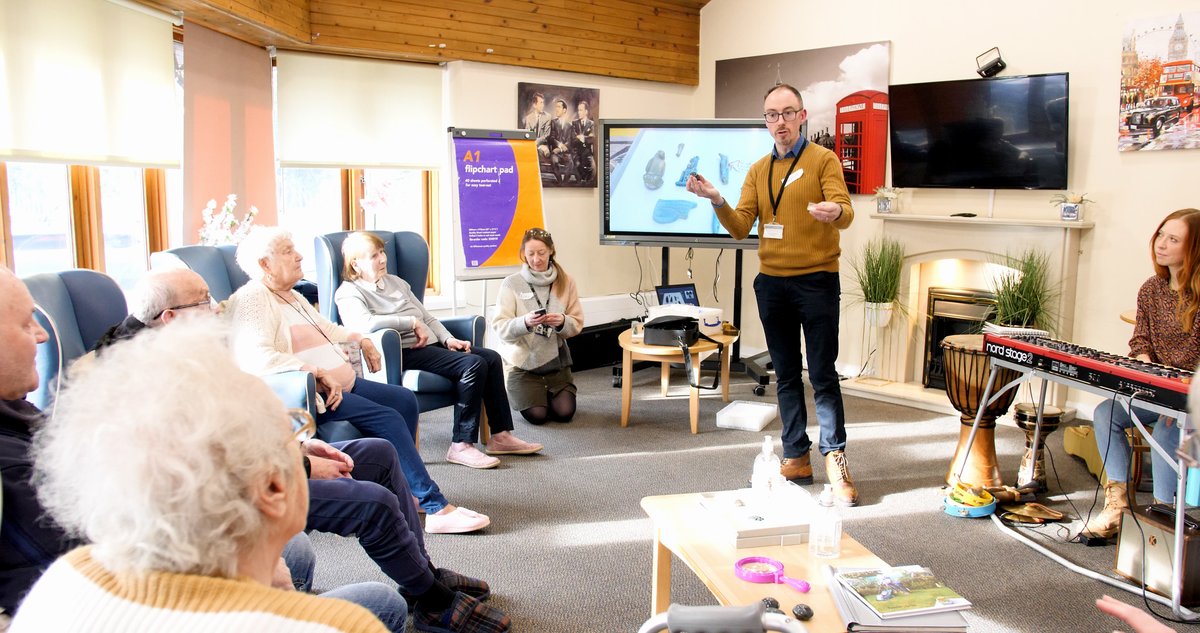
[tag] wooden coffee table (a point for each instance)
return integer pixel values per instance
(636, 350)
(684, 528)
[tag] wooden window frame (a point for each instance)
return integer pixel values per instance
(355, 219)
(87, 233)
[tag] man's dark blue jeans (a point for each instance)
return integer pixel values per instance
(790, 307)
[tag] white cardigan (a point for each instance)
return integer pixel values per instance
(261, 343)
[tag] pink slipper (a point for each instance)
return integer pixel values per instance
(470, 457)
(511, 445)
(460, 521)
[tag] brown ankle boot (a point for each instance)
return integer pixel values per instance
(838, 471)
(1116, 499)
(797, 470)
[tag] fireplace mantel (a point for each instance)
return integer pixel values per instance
(930, 238)
(978, 221)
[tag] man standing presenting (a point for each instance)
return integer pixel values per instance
(799, 198)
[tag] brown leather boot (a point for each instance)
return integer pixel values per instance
(1116, 499)
(797, 470)
(838, 471)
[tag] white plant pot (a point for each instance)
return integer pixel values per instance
(879, 314)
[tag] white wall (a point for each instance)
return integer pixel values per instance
(933, 41)
(930, 41)
(484, 96)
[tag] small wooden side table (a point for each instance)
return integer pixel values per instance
(636, 350)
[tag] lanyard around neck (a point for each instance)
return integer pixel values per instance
(539, 299)
(775, 200)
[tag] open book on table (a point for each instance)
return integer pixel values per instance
(860, 618)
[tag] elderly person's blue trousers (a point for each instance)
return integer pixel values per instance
(384, 602)
(389, 412)
(376, 505)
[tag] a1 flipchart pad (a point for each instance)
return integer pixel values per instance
(498, 196)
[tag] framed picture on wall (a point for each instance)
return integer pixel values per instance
(564, 120)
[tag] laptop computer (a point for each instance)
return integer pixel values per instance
(680, 294)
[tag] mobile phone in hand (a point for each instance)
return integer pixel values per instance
(540, 312)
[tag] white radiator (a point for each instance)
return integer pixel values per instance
(609, 308)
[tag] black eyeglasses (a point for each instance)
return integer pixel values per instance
(786, 115)
(208, 301)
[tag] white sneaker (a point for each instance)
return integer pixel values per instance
(460, 521)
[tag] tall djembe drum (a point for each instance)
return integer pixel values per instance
(967, 369)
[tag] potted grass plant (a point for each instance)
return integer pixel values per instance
(877, 273)
(1025, 296)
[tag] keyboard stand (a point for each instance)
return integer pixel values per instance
(1126, 402)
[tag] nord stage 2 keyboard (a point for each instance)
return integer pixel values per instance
(1147, 382)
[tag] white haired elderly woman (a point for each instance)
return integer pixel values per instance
(277, 330)
(186, 496)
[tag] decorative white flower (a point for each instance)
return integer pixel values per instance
(890, 193)
(223, 227)
(1069, 197)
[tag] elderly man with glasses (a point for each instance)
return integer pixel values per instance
(798, 197)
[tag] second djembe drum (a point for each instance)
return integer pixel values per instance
(1033, 464)
(967, 368)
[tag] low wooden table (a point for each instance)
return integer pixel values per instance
(682, 527)
(636, 350)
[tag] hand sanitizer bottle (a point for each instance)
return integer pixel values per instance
(766, 469)
(825, 531)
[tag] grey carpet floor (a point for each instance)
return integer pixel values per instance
(569, 548)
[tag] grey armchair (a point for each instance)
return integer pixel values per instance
(408, 258)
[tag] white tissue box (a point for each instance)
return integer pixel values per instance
(747, 415)
(709, 318)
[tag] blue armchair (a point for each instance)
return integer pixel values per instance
(218, 266)
(78, 306)
(408, 258)
(75, 307)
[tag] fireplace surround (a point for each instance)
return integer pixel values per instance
(958, 252)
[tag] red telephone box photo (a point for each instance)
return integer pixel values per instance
(862, 130)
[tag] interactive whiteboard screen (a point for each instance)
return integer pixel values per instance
(646, 165)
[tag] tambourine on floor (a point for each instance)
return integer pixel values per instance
(750, 619)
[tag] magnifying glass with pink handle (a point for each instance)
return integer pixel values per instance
(761, 569)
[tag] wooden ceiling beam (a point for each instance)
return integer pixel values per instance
(654, 40)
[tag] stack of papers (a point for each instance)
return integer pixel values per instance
(1004, 330)
(749, 522)
(922, 615)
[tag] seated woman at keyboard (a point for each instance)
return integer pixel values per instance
(1167, 331)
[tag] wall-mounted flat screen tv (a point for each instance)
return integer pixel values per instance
(646, 165)
(997, 133)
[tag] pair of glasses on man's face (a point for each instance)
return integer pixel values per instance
(303, 426)
(786, 115)
(207, 301)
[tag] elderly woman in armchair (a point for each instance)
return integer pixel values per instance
(370, 298)
(277, 330)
